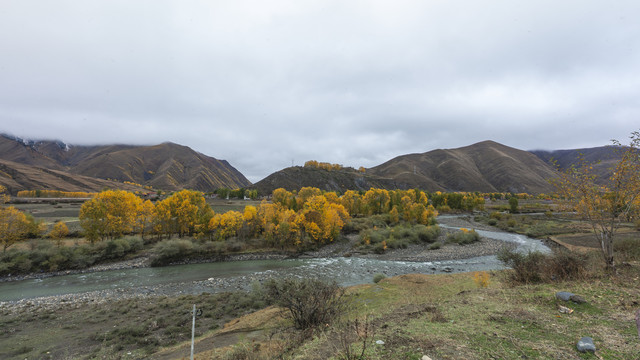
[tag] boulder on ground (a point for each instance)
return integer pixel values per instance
(577, 299)
(586, 345)
(564, 295)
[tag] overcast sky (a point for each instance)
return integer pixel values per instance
(265, 83)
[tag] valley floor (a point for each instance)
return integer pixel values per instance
(414, 253)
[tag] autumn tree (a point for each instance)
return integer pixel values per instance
(284, 198)
(376, 201)
(352, 202)
(59, 232)
(322, 220)
(605, 206)
(3, 197)
(109, 214)
(184, 213)
(251, 223)
(145, 218)
(306, 193)
(228, 224)
(14, 226)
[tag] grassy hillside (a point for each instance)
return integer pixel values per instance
(16, 177)
(165, 166)
(294, 178)
(486, 167)
(603, 159)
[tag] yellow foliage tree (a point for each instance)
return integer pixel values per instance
(604, 206)
(14, 226)
(228, 224)
(109, 214)
(145, 218)
(304, 194)
(376, 201)
(283, 198)
(3, 197)
(59, 232)
(351, 201)
(184, 213)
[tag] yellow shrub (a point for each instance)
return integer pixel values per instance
(481, 278)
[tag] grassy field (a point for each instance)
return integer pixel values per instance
(222, 206)
(451, 317)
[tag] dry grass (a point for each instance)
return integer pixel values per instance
(449, 317)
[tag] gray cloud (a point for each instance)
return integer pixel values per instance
(262, 83)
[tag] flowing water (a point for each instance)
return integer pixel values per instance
(237, 275)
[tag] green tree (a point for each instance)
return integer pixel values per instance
(513, 204)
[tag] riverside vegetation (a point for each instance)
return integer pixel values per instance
(506, 314)
(119, 225)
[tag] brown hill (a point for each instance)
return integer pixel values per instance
(16, 177)
(166, 166)
(297, 177)
(486, 167)
(602, 158)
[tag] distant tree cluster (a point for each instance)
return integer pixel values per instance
(240, 193)
(322, 165)
(462, 201)
(54, 194)
(508, 195)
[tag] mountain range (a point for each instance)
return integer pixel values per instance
(165, 166)
(486, 167)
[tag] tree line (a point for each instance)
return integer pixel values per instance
(290, 219)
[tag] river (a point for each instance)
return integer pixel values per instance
(240, 275)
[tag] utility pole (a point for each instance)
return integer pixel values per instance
(193, 327)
